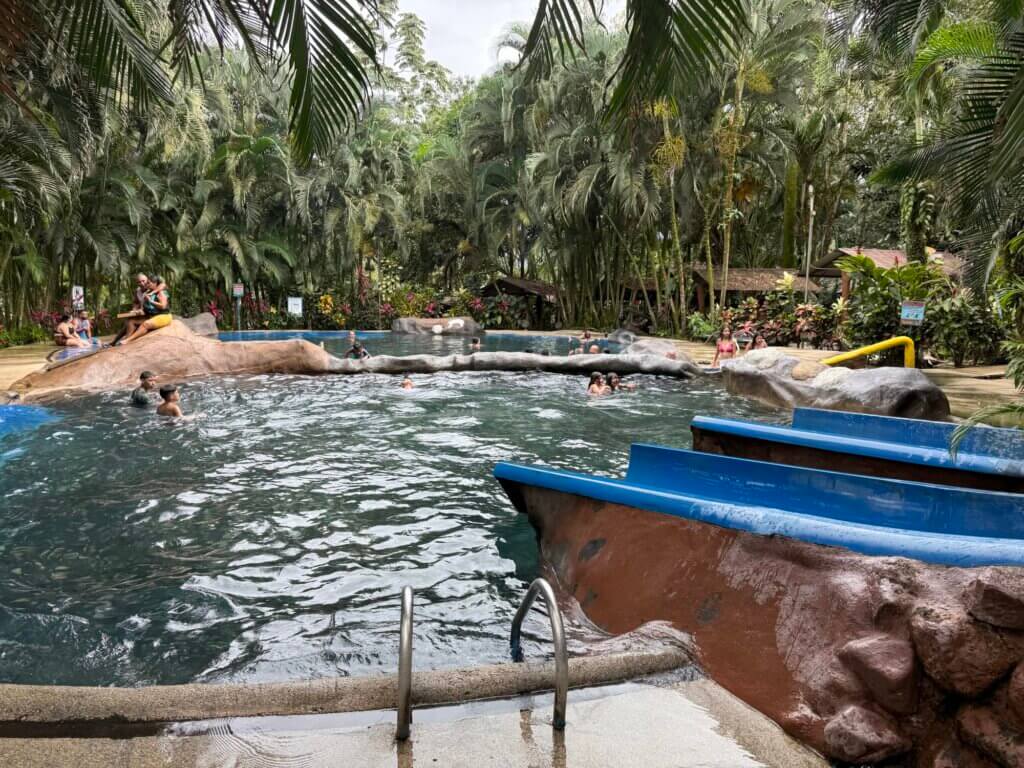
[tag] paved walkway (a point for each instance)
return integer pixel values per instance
(669, 725)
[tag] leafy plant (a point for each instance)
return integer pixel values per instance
(964, 328)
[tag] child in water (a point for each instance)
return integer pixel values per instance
(615, 384)
(140, 395)
(597, 386)
(407, 383)
(169, 406)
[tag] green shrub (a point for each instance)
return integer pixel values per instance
(964, 328)
(25, 334)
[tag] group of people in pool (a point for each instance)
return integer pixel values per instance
(169, 395)
(726, 348)
(607, 385)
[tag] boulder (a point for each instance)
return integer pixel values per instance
(203, 324)
(652, 346)
(986, 729)
(1015, 693)
(622, 336)
(886, 667)
(861, 735)
(437, 326)
(996, 597)
(955, 754)
(173, 353)
(807, 369)
(773, 376)
(960, 654)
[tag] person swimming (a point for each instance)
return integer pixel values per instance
(474, 344)
(169, 406)
(351, 338)
(357, 352)
(594, 350)
(758, 342)
(597, 385)
(140, 395)
(726, 347)
(615, 384)
(407, 383)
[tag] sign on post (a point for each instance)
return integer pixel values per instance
(911, 313)
(238, 290)
(77, 297)
(295, 306)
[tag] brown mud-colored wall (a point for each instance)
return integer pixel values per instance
(864, 658)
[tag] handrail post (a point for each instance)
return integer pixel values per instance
(405, 668)
(542, 587)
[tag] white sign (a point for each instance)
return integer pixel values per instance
(295, 306)
(77, 297)
(238, 290)
(912, 313)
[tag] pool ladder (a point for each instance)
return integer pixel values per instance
(539, 587)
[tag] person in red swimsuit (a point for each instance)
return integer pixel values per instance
(725, 349)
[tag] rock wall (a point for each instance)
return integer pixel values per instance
(437, 326)
(781, 380)
(582, 365)
(174, 353)
(867, 659)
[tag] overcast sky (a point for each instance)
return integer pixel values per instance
(461, 33)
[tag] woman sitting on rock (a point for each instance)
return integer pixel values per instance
(156, 307)
(64, 334)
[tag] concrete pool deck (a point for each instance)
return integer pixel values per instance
(968, 389)
(665, 722)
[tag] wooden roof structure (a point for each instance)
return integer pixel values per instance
(518, 286)
(885, 258)
(755, 280)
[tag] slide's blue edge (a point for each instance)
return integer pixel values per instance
(862, 446)
(21, 418)
(954, 550)
(982, 440)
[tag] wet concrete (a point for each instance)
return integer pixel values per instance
(670, 723)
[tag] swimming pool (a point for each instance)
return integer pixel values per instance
(268, 538)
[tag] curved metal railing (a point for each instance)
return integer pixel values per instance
(405, 668)
(543, 588)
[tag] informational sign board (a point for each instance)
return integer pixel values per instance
(911, 312)
(77, 297)
(238, 290)
(295, 306)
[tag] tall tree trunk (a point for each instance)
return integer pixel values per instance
(791, 201)
(732, 150)
(679, 315)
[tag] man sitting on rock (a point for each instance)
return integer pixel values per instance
(156, 308)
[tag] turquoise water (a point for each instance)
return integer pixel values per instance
(268, 538)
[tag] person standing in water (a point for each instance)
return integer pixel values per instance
(140, 395)
(169, 406)
(407, 383)
(357, 352)
(597, 387)
(726, 348)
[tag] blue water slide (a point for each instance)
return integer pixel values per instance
(980, 441)
(936, 524)
(860, 440)
(19, 418)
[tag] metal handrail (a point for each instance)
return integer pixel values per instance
(405, 668)
(543, 588)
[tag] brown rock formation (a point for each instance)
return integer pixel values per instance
(437, 326)
(960, 654)
(886, 666)
(174, 353)
(824, 641)
(859, 735)
(997, 597)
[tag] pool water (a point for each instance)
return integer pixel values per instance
(268, 538)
